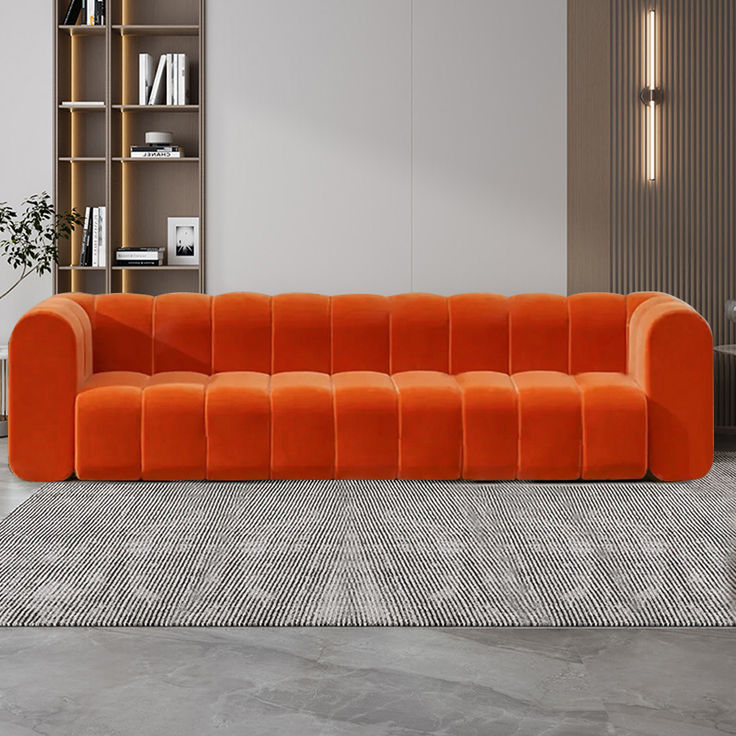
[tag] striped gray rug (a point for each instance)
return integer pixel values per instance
(373, 553)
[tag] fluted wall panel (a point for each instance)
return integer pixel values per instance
(678, 233)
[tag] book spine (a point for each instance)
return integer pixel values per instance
(139, 256)
(103, 19)
(103, 237)
(169, 88)
(140, 249)
(95, 236)
(181, 79)
(90, 12)
(84, 12)
(83, 246)
(156, 154)
(72, 13)
(158, 262)
(141, 79)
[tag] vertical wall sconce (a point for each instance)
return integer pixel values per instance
(651, 96)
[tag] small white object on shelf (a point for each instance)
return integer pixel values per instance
(84, 103)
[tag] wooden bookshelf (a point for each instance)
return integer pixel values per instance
(92, 161)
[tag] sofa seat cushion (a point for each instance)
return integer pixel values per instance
(107, 427)
(550, 426)
(430, 425)
(238, 421)
(614, 411)
(490, 425)
(366, 425)
(173, 439)
(302, 426)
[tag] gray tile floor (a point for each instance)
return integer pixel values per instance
(362, 682)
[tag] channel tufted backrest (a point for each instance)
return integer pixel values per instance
(312, 332)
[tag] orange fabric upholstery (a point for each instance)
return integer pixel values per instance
(430, 425)
(108, 426)
(614, 426)
(246, 386)
(49, 361)
(597, 332)
(173, 439)
(419, 333)
(182, 333)
(490, 425)
(479, 333)
(241, 333)
(302, 427)
(671, 358)
(366, 425)
(123, 333)
(238, 420)
(301, 333)
(550, 427)
(360, 333)
(538, 328)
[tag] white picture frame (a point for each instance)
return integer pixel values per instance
(183, 241)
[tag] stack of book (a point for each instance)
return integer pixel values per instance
(156, 150)
(92, 13)
(140, 256)
(94, 238)
(169, 83)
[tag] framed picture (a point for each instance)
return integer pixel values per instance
(183, 241)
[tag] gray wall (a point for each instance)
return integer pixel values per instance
(26, 131)
(386, 145)
(354, 145)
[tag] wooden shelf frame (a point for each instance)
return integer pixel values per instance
(90, 161)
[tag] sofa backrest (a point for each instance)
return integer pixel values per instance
(312, 332)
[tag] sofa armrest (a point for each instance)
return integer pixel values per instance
(670, 354)
(50, 358)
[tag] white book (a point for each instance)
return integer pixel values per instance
(95, 237)
(169, 79)
(102, 259)
(156, 154)
(145, 77)
(158, 90)
(183, 87)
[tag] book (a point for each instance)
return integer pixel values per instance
(72, 13)
(156, 154)
(156, 147)
(90, 12)
(101, 12)
(140, 249)
(103, 237)
(84, 12)
(145, 77)
(182, 86)
(157, 262)
(138, 256)
(84, 103)
(95, 236)
(85, 232)
(158, 89)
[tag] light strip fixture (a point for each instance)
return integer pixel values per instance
(651, 96)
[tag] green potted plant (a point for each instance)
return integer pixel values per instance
(29, 245)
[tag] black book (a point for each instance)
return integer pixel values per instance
(87, 230)
(147, 248)
(72, 13)
(141, 263)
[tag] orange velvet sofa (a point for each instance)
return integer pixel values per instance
(245, 386)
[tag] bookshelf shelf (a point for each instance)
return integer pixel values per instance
(84, 30)
(156, 108)
(83, 159)
(92, 152)
(81, 268)
(155, 268)
(157, 30)
(184, 160)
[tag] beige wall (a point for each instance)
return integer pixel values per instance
(26, 131)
